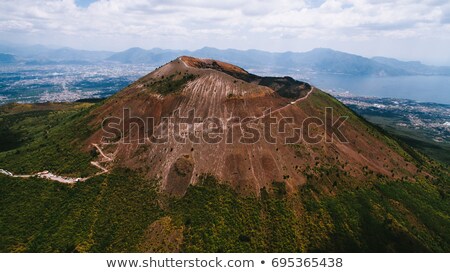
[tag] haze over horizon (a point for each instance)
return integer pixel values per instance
(405, 30)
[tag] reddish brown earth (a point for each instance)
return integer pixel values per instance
(220, 90)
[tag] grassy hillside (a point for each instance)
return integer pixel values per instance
(421, 139)
(115, 212)
(44, 137)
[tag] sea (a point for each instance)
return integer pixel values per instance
(418, 88)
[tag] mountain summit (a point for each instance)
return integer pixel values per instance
(195, 116)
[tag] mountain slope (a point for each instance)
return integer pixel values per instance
(216, 90)
(330, 61)
(369, 194)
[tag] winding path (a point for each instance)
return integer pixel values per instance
(63, 179)
(276, 110)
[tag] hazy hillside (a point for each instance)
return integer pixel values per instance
(139, 55)
(44, 55)
(7, 59)
(320, 60)
(415, 68)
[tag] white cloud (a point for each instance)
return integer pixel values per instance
(118, 24)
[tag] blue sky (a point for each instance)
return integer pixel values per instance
(84, 3)
(405, 29)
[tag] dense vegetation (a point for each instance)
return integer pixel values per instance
(112, 213)
(33, 141)
(105, 214)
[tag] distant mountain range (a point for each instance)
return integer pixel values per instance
(7, 58)
(41, 55)
(320, 60)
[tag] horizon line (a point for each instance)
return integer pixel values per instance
(57, 47)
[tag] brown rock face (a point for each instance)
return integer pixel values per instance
(180, 175)
(195, 116)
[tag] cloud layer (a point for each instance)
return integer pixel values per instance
(370, 27)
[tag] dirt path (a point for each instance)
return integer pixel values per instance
(276, 110)
(63, 179)
(102, 153)
(296, 101)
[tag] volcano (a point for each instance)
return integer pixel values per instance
(203, 156)
(200, 116)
